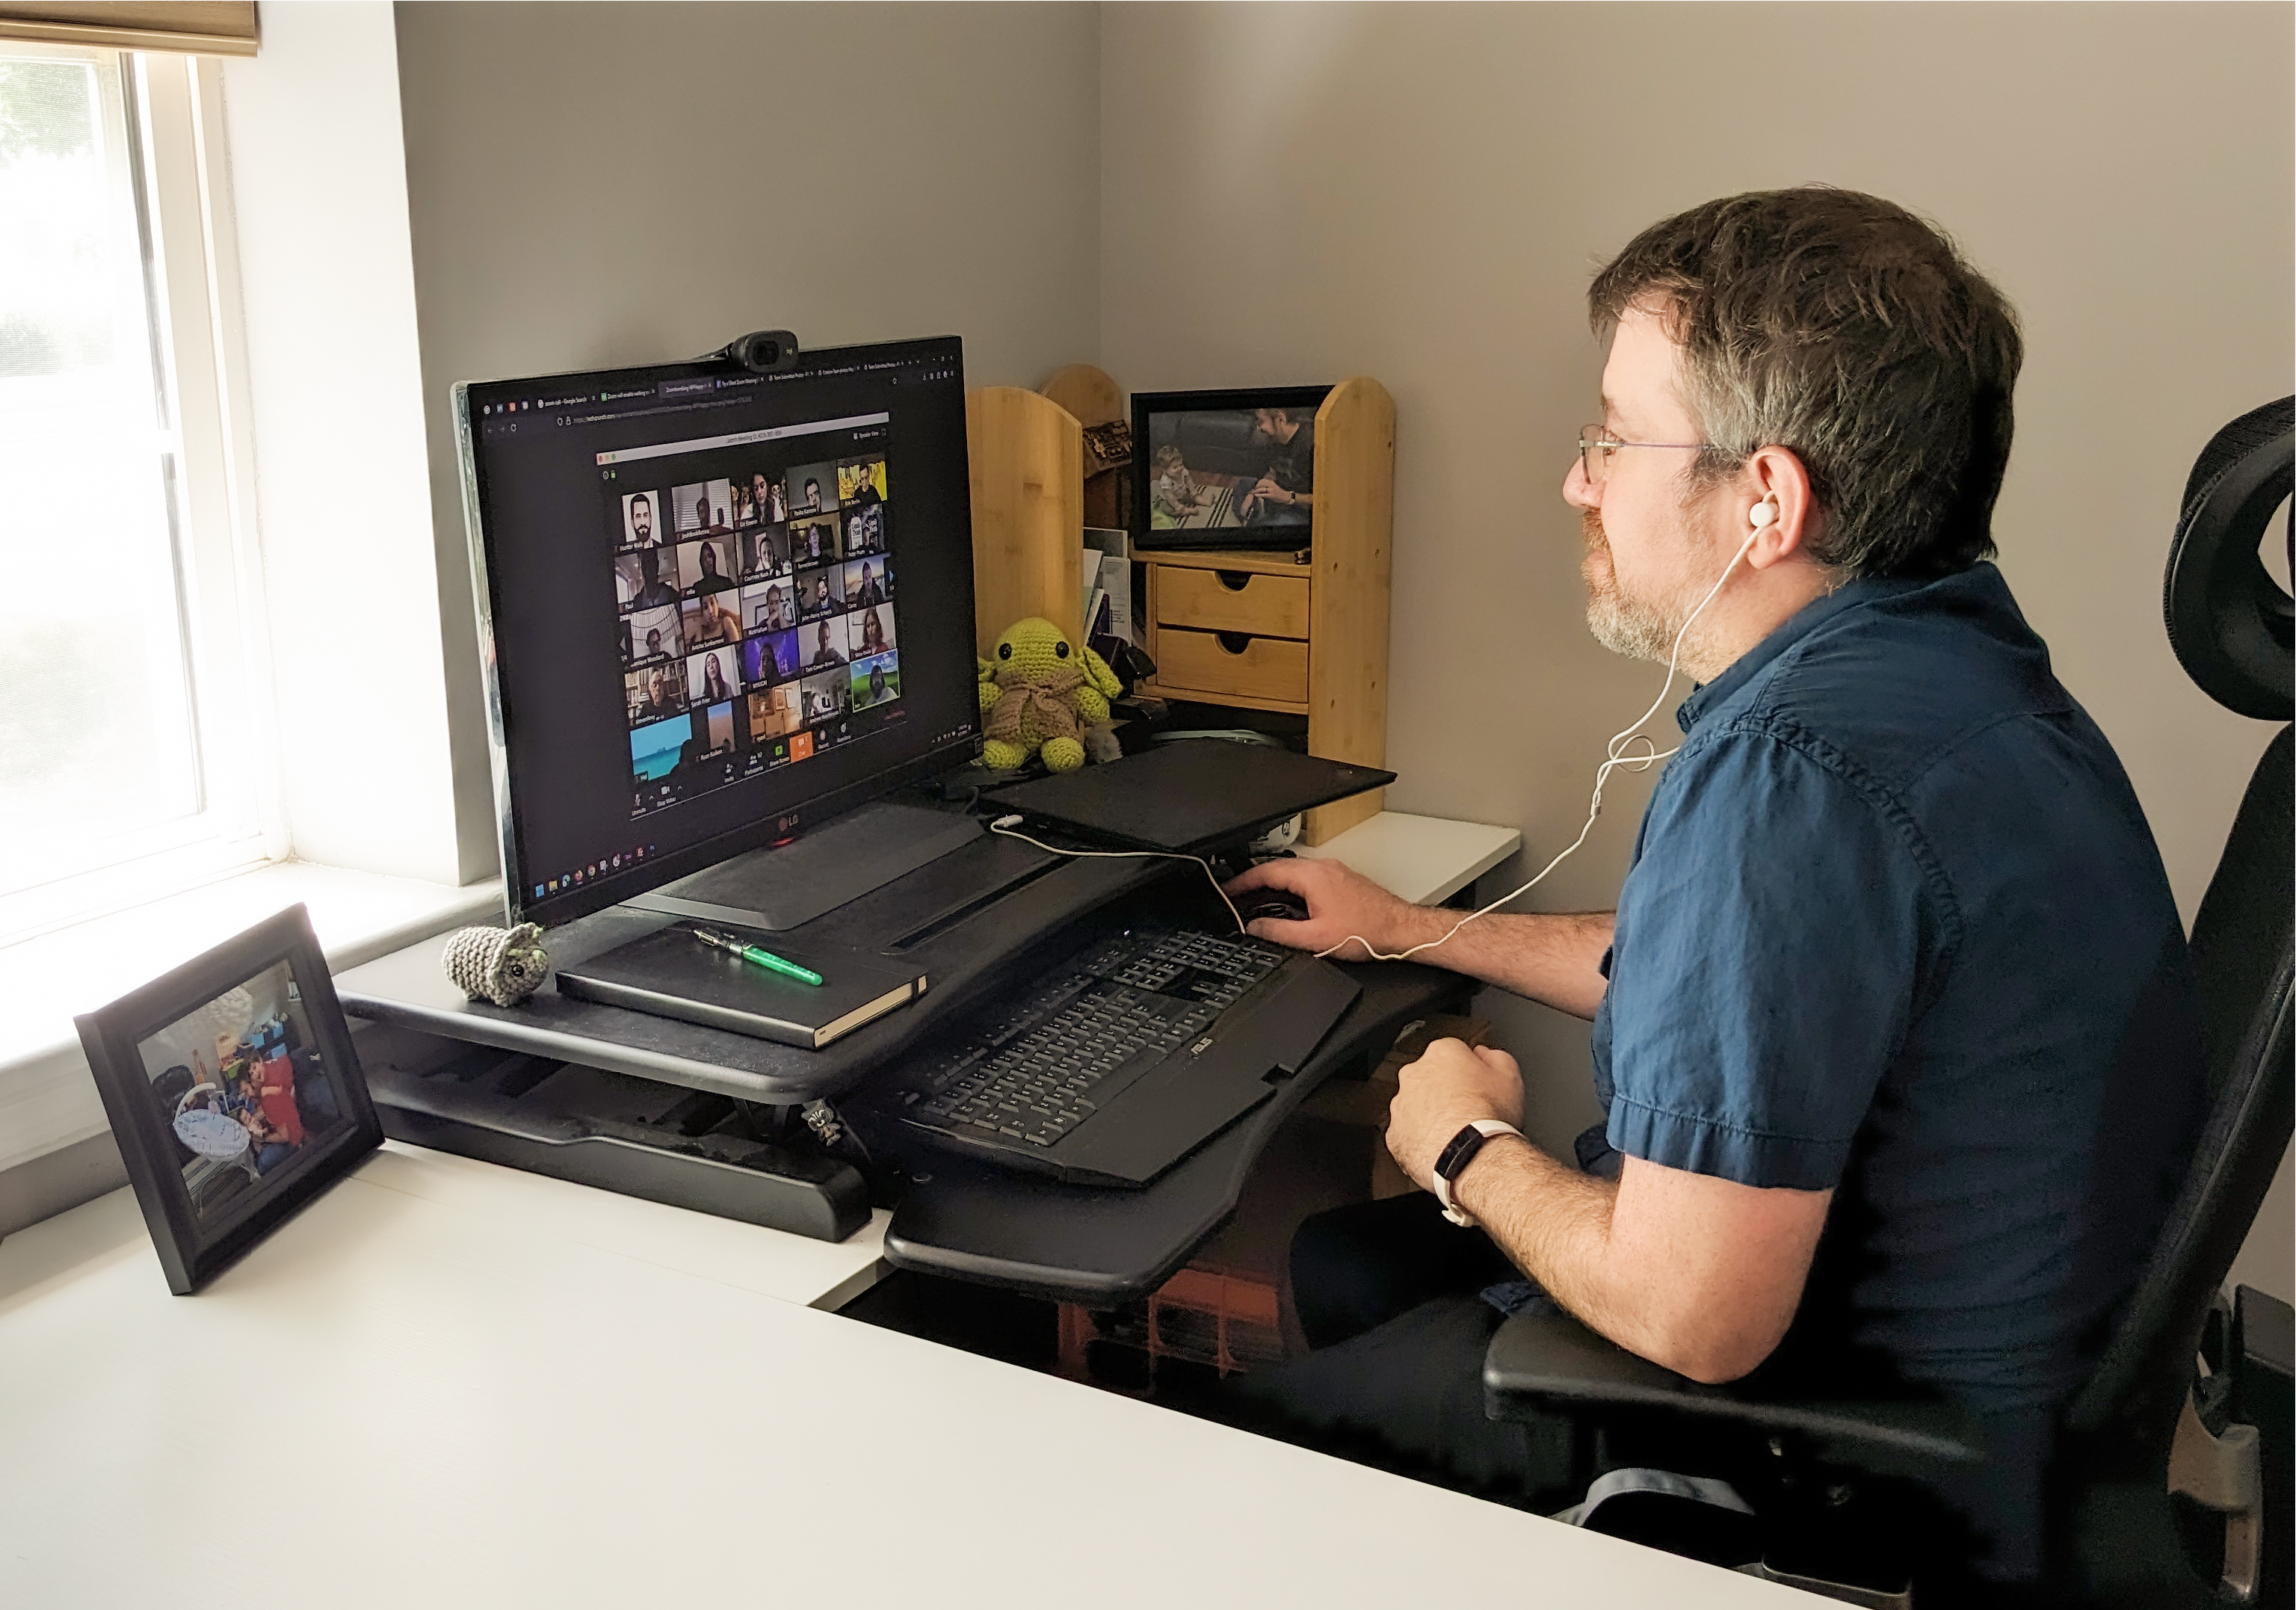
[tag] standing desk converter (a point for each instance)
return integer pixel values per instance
(1098, 1246)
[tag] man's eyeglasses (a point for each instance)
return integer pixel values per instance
(1596, 444)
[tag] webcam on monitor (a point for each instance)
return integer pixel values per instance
(760, 352)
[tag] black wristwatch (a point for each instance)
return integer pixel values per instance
(1458, 1154)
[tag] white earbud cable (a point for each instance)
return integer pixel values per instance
(1005, 825)
(1617, 757)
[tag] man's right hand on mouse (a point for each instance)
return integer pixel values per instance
(1340, 903)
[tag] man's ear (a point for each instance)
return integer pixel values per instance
(1778, 476)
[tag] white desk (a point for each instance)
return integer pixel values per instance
(1423, 859)
(773, 1263)
(453, 1395)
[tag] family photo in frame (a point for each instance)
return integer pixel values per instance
(234, 1093)
(1233, 469)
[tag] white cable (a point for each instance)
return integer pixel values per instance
(1616, 757)
(1004, 826)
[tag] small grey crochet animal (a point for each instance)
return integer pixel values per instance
(502, 965)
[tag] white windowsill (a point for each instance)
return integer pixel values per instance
(47, 1101)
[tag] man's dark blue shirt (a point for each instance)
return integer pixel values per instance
(1896, 927)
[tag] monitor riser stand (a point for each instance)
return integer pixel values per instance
(786, 886)
(534, 1113)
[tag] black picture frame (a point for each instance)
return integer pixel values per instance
(206, 1198)
(1223, 459)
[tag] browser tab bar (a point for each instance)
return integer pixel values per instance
(741, 438)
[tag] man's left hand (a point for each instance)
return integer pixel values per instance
(1270, 491)
(1448, 1088)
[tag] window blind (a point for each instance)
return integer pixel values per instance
(210, 27)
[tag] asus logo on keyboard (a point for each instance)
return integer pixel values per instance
(1201, 1047)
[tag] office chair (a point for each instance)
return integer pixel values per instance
(1821, 1482)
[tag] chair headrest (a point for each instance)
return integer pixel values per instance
(2233, 627)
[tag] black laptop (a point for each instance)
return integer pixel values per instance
(1187, 798)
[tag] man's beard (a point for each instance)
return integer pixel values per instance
(1633, 626)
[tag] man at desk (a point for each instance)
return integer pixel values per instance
(1893, 1027)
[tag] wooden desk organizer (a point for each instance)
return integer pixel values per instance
(1260, 631)
(1249, 630)
(1027, 455)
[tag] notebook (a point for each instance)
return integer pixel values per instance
(670, 974)
(1187, 798)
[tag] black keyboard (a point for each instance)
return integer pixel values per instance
(1033, 1078)
(1128, 1057)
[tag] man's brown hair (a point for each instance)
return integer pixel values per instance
(1841, 327)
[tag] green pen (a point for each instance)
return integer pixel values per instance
(762, 958)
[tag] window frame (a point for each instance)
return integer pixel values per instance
(170, 108)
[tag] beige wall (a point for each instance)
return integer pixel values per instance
(1420, 192)
(601, 184)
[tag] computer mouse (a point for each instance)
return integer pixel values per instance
(1279, 903)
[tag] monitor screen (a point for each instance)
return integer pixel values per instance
(717, 605)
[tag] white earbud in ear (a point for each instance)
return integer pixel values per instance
(1765, 512)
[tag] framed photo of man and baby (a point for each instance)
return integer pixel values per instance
(1224, 468)
(233, 1092)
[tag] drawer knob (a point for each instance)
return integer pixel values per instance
(1234, 643)
(1235, 581)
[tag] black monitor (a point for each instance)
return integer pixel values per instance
(716, 606)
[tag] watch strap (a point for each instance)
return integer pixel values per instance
(1454, 1160)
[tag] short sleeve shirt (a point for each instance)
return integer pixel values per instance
(1896, 927)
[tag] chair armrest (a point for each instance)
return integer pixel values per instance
(1551, 1360)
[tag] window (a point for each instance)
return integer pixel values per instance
(130, 758)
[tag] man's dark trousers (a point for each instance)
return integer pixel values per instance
(1388, 1298)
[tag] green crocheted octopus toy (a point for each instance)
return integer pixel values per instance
(1041, 692)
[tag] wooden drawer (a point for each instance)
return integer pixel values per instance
(1232, 601)
(1267, 670)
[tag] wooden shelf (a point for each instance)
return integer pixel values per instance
(1326, 639)
(1252, 563)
